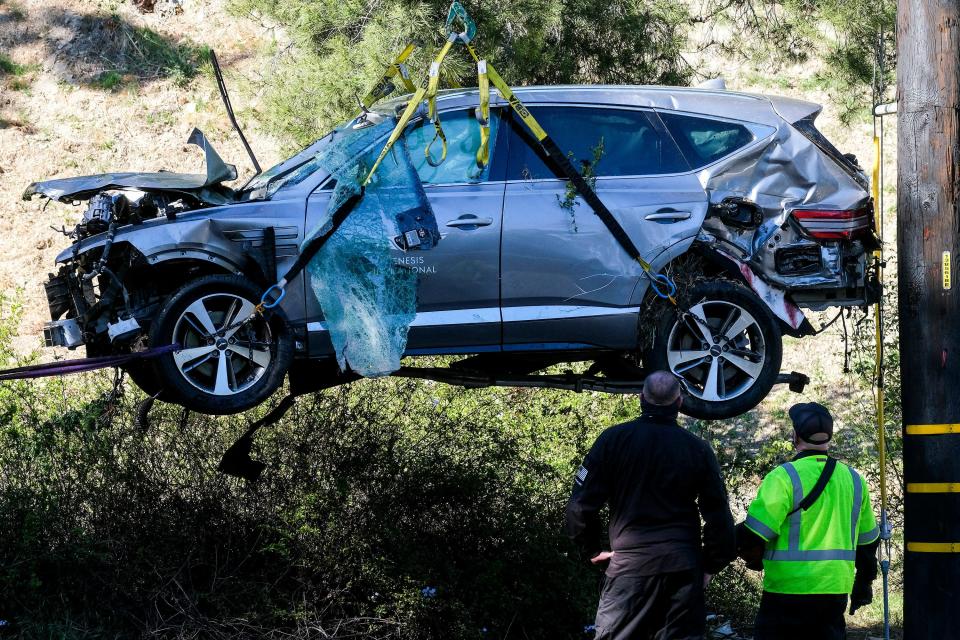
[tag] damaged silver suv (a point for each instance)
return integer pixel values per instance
(739, 198)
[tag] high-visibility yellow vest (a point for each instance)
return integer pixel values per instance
(812, 551)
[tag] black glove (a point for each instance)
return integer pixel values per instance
(750, 547)
(862, 595)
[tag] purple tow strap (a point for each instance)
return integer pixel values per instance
(66, 367)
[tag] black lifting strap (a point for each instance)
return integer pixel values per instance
(560, 165)
(314, 245)
(818, 488)
(237, 461)
(563, 168)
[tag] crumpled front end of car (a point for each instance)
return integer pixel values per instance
(91, 298)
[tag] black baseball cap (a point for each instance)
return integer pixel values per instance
(812, 422)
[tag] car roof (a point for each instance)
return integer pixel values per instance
(729, 104)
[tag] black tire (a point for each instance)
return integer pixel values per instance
(144, 375)
(743, 364)
(141, 372)
(224, 378)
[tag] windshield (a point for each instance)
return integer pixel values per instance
(296, 169)
(258, 183)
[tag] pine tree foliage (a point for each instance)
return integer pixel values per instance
(851, 41)
(336, 49)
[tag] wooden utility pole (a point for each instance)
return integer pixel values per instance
(928, 220)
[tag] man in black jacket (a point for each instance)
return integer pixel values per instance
(659, 479)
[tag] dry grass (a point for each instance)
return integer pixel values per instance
(97, 101)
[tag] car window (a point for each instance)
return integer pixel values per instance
(616, 142)
(704, 140)
(462, 130)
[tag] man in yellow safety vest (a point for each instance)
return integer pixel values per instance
(813, 526)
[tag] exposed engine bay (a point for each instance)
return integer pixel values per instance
(91, 285)
(93, 298)
(112, 209)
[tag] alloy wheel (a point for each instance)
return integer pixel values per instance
(717, 350)
(222, 355)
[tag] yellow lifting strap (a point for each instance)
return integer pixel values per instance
(433, 85)
(483, 83)
(411, 108)
(886, 532)
(878, 322)
(541, 135)
(661, 284)
(385, 85)
(509, 96)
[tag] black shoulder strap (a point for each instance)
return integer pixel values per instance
(818, 488)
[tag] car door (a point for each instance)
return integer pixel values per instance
(458, 300)
(458, 307)
(566, 281)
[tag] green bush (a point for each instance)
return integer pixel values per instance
(127, 53)
(8, 66)
(109, 80)
(155, 55)
(390, 509)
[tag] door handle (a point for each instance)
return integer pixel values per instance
(470, 220)
(668, 214)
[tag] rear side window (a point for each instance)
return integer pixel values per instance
(704, 140)
(615, 142)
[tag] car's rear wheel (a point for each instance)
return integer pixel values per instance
(225, 365)
(725, 350)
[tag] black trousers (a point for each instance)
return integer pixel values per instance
(794, 617)
(668, 606)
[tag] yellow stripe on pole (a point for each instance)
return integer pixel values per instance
(933, 487)
(932, 429)
(934, 547)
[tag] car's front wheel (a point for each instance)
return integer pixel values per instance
(225, 365)
(725, 349)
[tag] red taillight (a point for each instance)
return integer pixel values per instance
(836, 224)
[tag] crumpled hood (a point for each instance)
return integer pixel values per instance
(199, 185)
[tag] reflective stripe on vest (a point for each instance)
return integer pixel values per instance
(793, 553)
(857, 504)
(761, 528)
(869, 536)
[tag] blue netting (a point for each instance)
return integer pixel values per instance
(368, 299)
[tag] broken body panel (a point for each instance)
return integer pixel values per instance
(206, 188)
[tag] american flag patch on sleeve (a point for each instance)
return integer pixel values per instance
(581, 474)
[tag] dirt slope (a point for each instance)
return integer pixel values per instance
(97, 86)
